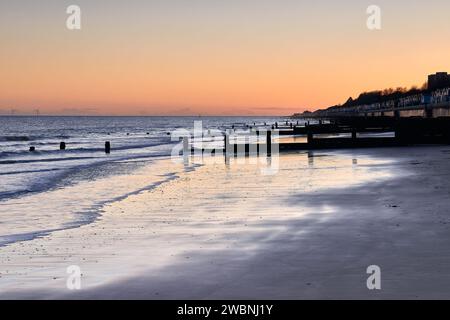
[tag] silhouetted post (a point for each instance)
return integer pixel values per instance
(310, 158)
(269, 143)
(227, 144)
(62, 146)
(107, 147)
(354, 134)
(320, 122)
(227, 147)
(276, 125)
(291, 126)
(32, 149)
(310, 137)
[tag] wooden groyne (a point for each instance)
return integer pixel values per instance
(351, 132)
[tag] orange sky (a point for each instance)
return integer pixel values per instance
(211, 57)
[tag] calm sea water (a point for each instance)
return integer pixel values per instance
(38, 190)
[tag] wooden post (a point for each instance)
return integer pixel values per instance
(107, 147)
(225, 143)
(354, 134)
(32, 149)
(269, 143)
(227, 146)
(310, 137)
(62, 146)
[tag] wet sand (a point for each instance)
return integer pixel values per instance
(228, 231)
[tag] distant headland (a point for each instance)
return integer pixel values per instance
(432, 99)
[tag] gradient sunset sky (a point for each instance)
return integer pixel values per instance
(212, 57)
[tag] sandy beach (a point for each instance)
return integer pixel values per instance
(218, 231)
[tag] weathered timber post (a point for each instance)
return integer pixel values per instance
(269, 143)
(310, 136)
(62, 146)
(107, 147)
(228, 145)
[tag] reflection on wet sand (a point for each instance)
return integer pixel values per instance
(212, 208)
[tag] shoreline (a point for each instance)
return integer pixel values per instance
(305, 237)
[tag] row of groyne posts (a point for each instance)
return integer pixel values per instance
(353, 132)
(327, 133)
(62, 146)
(235, 148)
(228, 146)
(265, 135)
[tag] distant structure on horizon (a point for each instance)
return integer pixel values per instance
(438, 81)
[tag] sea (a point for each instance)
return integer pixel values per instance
(48, 189)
